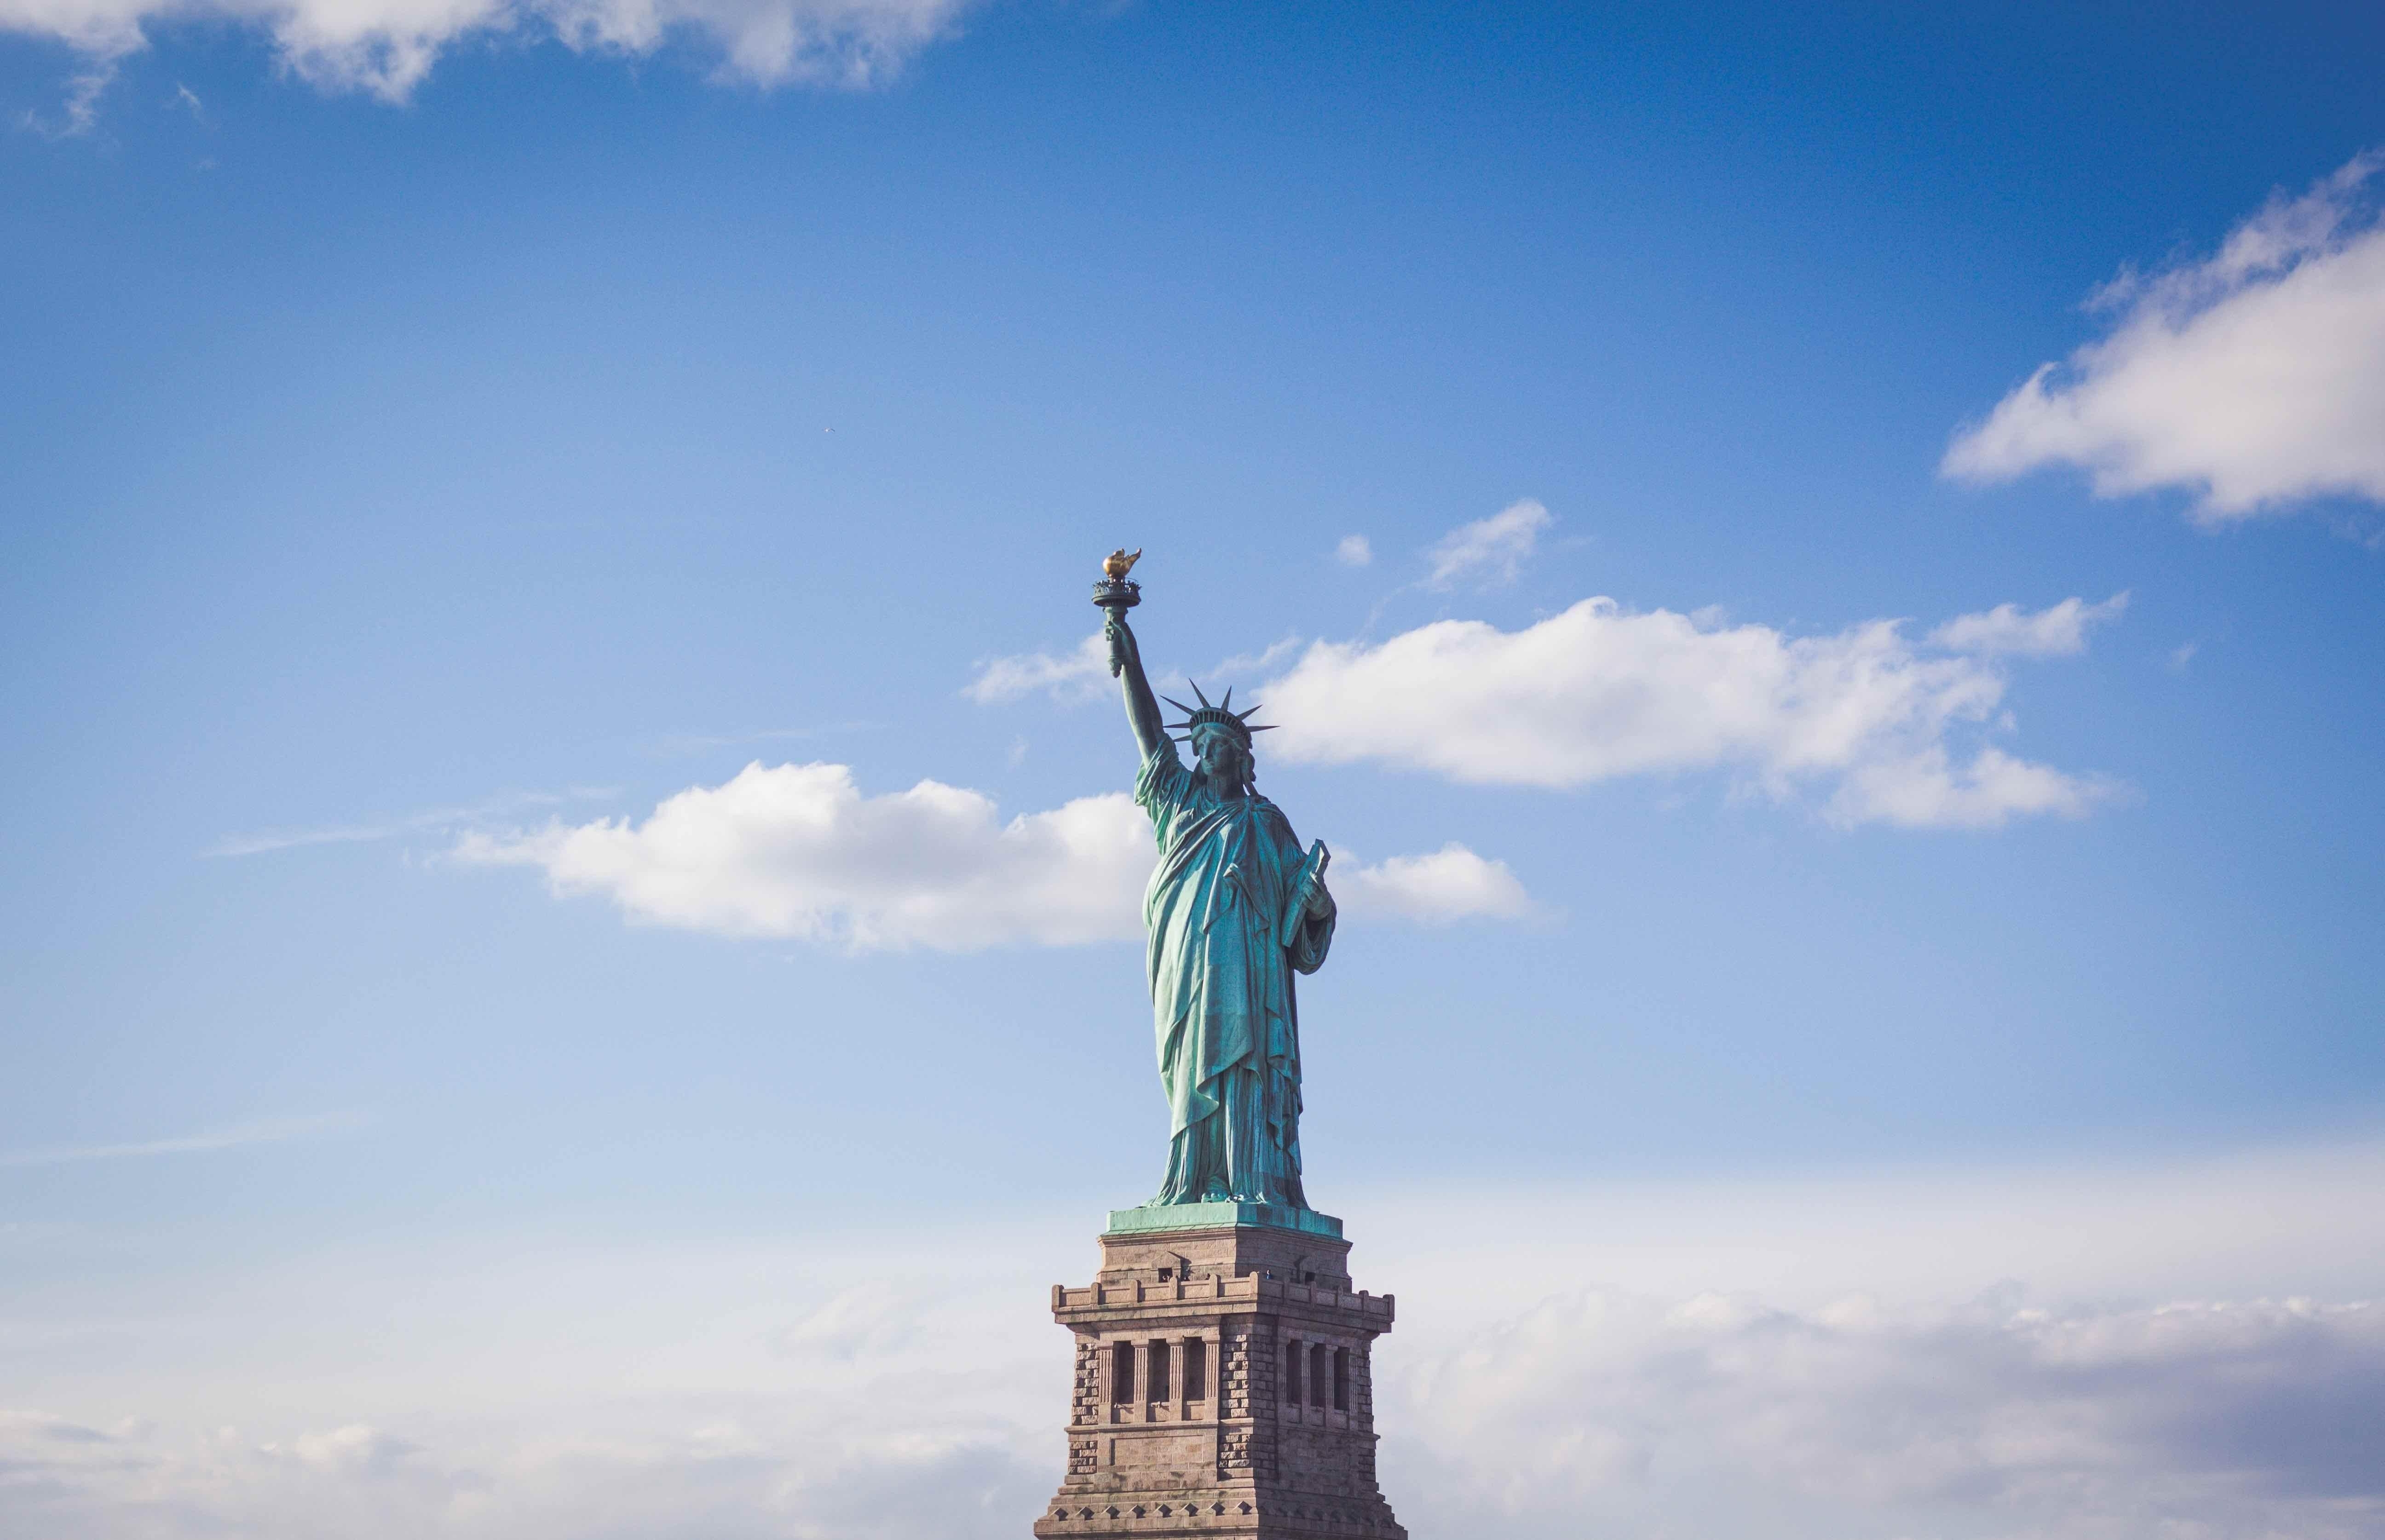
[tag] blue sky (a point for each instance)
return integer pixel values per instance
(435, 441)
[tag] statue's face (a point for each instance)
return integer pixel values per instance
(1224, 762)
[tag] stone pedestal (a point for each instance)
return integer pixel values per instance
(1224, 1381)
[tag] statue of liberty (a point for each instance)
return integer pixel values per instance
(1232, 911)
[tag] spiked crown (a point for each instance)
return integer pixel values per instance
(1220, 718)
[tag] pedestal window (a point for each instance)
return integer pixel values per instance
(1122, 1373)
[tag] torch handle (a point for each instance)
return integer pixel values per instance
(1114, 596)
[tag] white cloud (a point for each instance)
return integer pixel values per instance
(796, 850)
(1489, 551)
(1595, 693)
(2008, 630)
(387, 46)
(1452, 883)
(2255, 377)
(1074, 675)
(1925, 788)
(1353, 551)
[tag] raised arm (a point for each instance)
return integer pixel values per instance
(1141, 706)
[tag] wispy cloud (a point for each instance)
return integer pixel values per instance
(1489, 551)
(2255, 377)
(432, 821)
(1083, 674)
(1241, 663)
(80, 112)
(1080, 673)
(265, 1131)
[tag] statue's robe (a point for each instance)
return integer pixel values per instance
(1221, 986)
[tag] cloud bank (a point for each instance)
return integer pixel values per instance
(2253, 378)
(906, 1384)
(2223, 1421)
(386, 47)
(1596, 1411)
(798, 851)
(1596, 693)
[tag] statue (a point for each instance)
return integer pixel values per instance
(1232, 911)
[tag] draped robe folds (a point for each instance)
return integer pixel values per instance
(1221, 986)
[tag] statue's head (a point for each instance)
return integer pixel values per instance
(1221, 740)
(1225, 759)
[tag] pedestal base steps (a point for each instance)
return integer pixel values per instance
(1224, 1381)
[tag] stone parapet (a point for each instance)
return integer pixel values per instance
(1252, 1292)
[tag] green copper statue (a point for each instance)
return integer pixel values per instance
(1232, 911)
